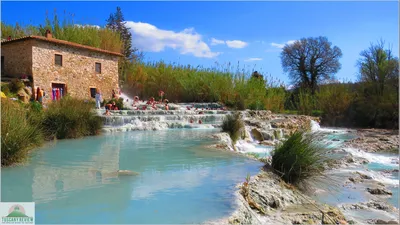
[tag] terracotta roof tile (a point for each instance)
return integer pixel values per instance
(58, 41)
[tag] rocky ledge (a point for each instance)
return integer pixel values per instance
(266, 128)
(375, 140)
(373, 204)
(378, 221)
(265, 199)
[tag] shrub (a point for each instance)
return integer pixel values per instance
(306, 102)
(71, 118)
(298, 158)
(16, 85)
(5, 88)
(275, 99)
(234, 126)
(334, 100)
(18, 134)
(35, 106)
(256, 105)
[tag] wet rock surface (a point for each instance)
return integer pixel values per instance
(379, 191)
(379, 221)
(268, 200)
(375, 140)
(266, 126)
(373, 204)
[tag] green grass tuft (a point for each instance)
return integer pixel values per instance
(234, 126)
(298, 159)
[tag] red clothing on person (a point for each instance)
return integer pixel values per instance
(58, 94)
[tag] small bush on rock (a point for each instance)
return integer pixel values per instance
(298, 158)
(233, 125)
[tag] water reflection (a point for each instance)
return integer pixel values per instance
(50, 181)
(76, 181)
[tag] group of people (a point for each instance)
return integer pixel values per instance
(56, 94)
(108, 107)
(192, 121)
(151, 102)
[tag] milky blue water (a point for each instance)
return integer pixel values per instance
(336, 192)
(180, 181)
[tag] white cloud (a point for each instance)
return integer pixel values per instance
(230, 44)
(148, 37)
(236, 44)
(252, 59)
(217, 42)
(276, 45)
(87, 25)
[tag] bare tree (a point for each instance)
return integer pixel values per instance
(310, 60)
(379, 68)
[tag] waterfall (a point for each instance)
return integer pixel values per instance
(315, 126)
(127, 101)
(127, 120)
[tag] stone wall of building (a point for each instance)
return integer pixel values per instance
(77, 71)
(17, 58)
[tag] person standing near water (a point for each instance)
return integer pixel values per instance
(39, 95)
(98, 98)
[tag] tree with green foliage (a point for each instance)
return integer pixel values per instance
(102, 38)
(379, 68)
(116, 22)
(310, 61)
(377, 101)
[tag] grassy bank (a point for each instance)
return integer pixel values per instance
(25, 126)
(19, 132)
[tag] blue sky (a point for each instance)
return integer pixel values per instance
(202, 33)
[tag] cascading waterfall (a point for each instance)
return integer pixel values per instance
(315, 126)
(127, 120)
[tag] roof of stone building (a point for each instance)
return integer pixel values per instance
(58, 41)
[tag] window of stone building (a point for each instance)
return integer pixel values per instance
(58, 59)
(98, 67)
(93, 92)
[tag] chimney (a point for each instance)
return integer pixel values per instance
(48, 34)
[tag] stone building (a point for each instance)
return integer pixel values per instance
(60, 66)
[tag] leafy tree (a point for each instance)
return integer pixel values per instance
(377, 102)
(116, 22)
(379, 68)
(310, 61)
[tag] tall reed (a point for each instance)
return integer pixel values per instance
(18, 134)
